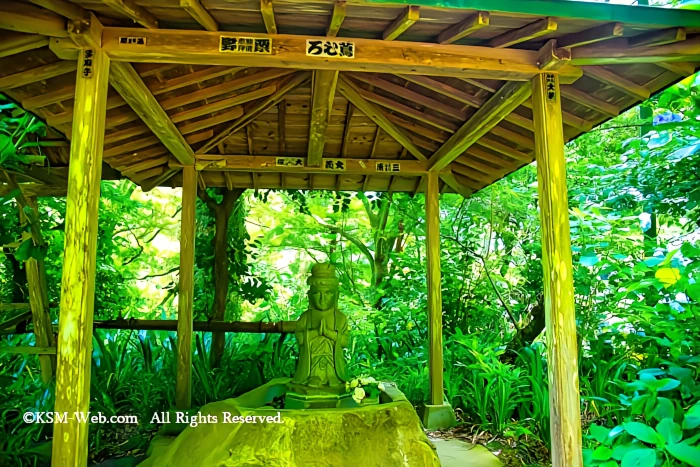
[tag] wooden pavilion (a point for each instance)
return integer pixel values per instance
(379, 95)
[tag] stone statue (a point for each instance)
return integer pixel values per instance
(322, 333)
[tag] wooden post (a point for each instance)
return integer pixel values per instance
(70, 443)
(432, 221)
(183, 389)
(562, 357)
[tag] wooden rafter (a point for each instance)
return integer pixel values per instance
(452, 181)
(64, 8)
(131, 10)
(23, 17)
(268, 15)
(337, 17)
(679, 68)
(127, 82)
(202, 47)
(36, 74)
(352, 94)
(613, 80)
(323, 92)
(529, 31)
(397, 27)
(12, 43)
(591, 35)
(510, 96)
(466, 27)
(660, 37)
(589, 101)
(684, 51)
(252, 112)
(199, 14)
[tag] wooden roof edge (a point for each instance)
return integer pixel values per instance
(652, 16)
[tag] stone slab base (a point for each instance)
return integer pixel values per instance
(437, 417)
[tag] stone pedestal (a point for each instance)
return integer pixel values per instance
(437, 417)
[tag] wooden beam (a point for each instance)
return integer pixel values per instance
(223, 104)
(529, 31)
(553, 58)
(253, 111)
(452, 182)
(12, 43)
(397, 27)
(127, 82)
(464, 28)
(337, 17)
(323, 93)
(151, 183)
(54, 97)
(352, 94)
(432, 238)
(591, 35)
(268, 15)
(86, 33)
(22, 17)
(506, 99)
(679, 68)
(346, 129)
(684, 51)
(289, 51)
(183, 389)
(589, 101)
(130, 9)
(64, 8)
(268, 164)
(445, 90)
(615, 81)
(565, 421)
(36, 74)
(199, 14)
(659, 37)
(70, 445)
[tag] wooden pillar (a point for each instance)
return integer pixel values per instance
(74, 347)
(432, 221)
(562, 357)
(183, 389)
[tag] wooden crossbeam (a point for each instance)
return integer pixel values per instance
(613, 80)
(64, 8)
(268, 164)
(589, 101)
(12, 43)
(337, 17)
(591, 35)
(445, 90)
(410, 95)
(679, 68)
(451, 181)
(223, 104)
(289, 51)
(151, 183)
(552, 57)
(130, 9)
(127, 82)
(352, 94)
(464, 28)
(684, 51)
(22, 17)
(268, 15)
(397, 27)
(504, 149)
(506, 99)
(660, 37)
(323, 92)
(529, 31)
(36, 74)
(199, 14)
(259, 107)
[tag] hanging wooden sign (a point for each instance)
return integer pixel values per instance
(388, 167)
(334, 49)
(132, 40)
(246, 45)
(86, 70)
(290, 161)
(334, 164)
(551, 87)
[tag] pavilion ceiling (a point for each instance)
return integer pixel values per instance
(234, 120)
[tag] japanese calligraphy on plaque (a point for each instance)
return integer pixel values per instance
(388, 167)
(334, 164)
(337, 49)
(290, 161)
(86, 69)
(246, 45)
(551, 87)
(132, 40)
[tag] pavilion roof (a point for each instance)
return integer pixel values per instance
(417, 101)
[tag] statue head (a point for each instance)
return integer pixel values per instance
(323, 290)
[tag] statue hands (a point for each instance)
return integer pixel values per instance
(329, 333)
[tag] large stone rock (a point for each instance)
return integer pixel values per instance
(387, 434)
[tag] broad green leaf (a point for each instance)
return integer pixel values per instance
(642, 432)
(602, 453)
(621, 450)
(668, 276)
(664, 409)
(684, 453)
(659, 140)
(693, 291)
(644, 457)
(689, 250)
(599, 433)
(669, 430)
